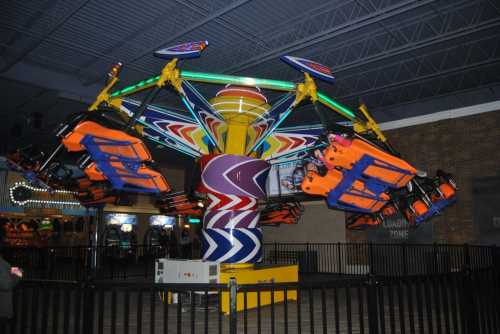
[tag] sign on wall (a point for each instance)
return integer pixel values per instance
(398, 230)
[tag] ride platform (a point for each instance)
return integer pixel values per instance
(258, 274)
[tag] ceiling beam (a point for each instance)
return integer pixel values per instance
(42, 39)
(74, 46)
(48, 5)
(416, 79)
(68, 86)
(192, 27)
(366, 20)
(416, 42)
(187, 30)
(409, 48)
(439, 108)
(234, 28)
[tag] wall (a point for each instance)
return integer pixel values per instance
(174, 176)
(318, 224)
(467, 147)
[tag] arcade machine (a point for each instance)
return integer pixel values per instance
(120, 236)
(159, 233)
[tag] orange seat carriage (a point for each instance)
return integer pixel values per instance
(439, 196)
(127, 176)
(379, 165)
(182, 205)
(359, 174)
(111, 143)
(344, 192)
(361, 222)
(287, 215)
(117, 157)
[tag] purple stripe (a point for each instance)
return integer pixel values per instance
(246, 217)
(234, 175)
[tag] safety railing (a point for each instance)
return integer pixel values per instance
(79, 263)
(460, 302)
(381, 259)
(137, 262)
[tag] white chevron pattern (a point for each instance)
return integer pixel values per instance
(232, 201)
(237, 217)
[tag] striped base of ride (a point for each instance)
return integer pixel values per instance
(234, 184)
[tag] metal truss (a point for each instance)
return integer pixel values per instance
(205, 14)
(45, 36)
(397, 39)
(444, 64)
(472, 79)
(327, 24)
(424, 32)
(420, 104)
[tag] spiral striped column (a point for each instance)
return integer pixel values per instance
(234, 183)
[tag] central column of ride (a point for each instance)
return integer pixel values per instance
(234, 184)
(234, 181)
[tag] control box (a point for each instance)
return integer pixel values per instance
(186, 271)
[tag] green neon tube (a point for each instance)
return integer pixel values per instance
(135, 87)
(223, 79)
(212, 78)
(236, 80)
(336, 106)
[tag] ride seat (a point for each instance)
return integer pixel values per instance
(354, 195)
(386, 168)
(109, 142)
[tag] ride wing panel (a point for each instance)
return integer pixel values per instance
(171, 129)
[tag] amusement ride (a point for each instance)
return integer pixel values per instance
(236, 137)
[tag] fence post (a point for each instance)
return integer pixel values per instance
(233, 287)
(493, 255)
(371, 298)
(88, 307)
(405, 259)
(275, 252)
(435, 261)
(370, 259)
(466, 257)
(340, 256)
(469, 307)
(308, 265)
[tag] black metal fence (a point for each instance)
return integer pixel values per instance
(79, 263)
(381, 259)
(460, 302)
(76, 263)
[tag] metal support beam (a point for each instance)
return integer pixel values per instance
(71, 46)
(160, 18)
(228, 25)
(48, 5)
(67, 86)
(35, 45)
(430, 105)
(187, 30)
(404, 72)
(366, 20)
(409, 48)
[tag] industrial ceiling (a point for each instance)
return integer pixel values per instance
(402, 57)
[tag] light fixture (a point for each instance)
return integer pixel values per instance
(27, 201)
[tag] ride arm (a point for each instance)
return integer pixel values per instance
(104, 96)
(369, 125)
